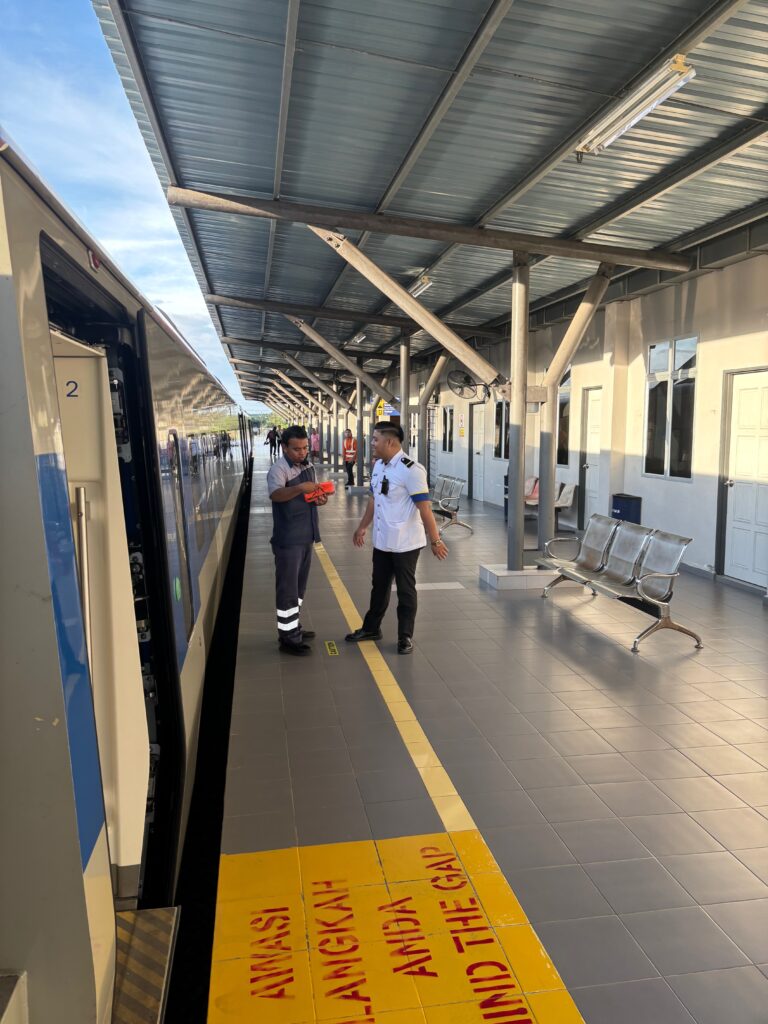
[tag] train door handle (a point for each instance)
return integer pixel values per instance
(81, 510)
(729, 483)
(585, 466)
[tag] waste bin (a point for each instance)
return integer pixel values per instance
(626, 507)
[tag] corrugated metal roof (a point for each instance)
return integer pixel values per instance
(206, 85)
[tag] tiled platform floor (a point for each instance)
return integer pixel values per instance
(624, 796)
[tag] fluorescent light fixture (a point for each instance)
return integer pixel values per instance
(420, 285)
(360, 336)
(624, 114)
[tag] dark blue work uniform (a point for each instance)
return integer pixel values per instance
(295, 529)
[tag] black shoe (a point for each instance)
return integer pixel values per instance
(362, 634)
(308, 634)
(300, 650)
(405, 645)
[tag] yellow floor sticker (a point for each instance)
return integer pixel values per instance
(416, 930)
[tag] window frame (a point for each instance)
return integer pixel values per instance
(564, 395)
(672, 377)
(503, 445)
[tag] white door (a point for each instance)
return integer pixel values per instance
(592, 408)
(746, 532)
(478, 451)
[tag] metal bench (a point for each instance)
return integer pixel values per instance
(629, 563)
(448, 504)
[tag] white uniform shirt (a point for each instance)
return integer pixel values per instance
(397, 525)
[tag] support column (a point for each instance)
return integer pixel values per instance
(566, 350)
(360, 439)
(335, 436)
(433, 381)
(518, 377)
(405, 390)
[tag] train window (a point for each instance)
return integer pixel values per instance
(181, 581)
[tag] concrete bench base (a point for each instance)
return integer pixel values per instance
(500, 577)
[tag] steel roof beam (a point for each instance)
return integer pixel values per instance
(337, 313)
(417, 227)
(451, 342)
(332, 394)
(338, 355)
(297, 387)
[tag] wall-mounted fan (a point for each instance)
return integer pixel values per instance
(465, 386)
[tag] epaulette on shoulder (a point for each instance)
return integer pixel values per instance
(407, 462)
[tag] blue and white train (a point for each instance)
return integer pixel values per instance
(122, 467)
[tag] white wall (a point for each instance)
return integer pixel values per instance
(727, 310)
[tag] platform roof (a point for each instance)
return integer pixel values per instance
(463, 111)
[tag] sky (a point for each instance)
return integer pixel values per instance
(63, 105)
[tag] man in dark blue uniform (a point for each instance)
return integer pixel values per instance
(295, 530)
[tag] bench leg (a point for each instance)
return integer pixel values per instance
(455, 522)
(554, 583)
(665, 623)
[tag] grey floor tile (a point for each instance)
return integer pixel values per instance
(266, 767)
(570, 803)
(757, 751)
(540, 772)
(604, 768)
(635, 885)
(396, 784)
(608, 718)
(326, 791)
(476, 777)
(556, 721)
(702, 794)
(638, 738)
(249, 833)
(527, 846)
(709, 711)
(683, 940)
(586, 699)
(595, 951)
(751, 787)
(462, 751)
(602, 840)
(631, 1002)
(738, 995)
(715, 877)
(670, 834)
(503, 807)
(379, 755)
(246, 795)
(660, 714)
(319, 762)
(724, 760)
(537, 703)
(328, 737)
(339, 824)
(633, 798)
(756, 861)
(557, 893)
(746, 922)
(664, 764)
(739, 732)
(739, 828)
(579, 742)
(505, 727)
(693, 735)
(516, 748)
(391, 819)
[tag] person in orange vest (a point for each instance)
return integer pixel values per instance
(349, 450)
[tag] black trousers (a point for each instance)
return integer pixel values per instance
(291, 574)
(401, 567)
(350, 468)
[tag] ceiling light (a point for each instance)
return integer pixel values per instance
(624, 114)
(420, 285)
(360, 336)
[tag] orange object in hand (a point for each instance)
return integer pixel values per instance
(326, 487)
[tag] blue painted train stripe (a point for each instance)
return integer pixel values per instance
(78, 699)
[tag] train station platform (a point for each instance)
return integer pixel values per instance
(521, 822)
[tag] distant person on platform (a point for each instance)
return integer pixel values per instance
(271, 440)
(314, 444)
(349, 451)
(295, 529)
(401, 513)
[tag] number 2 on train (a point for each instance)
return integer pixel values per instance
(72, 386)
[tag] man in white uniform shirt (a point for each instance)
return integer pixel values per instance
(401, 513)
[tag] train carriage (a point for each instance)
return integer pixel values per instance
(117, 526)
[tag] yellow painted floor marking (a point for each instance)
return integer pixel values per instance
(271, 873)
(331, 648)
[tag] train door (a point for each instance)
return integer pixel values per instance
(96, 505)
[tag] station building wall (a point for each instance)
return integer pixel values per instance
(725, 310)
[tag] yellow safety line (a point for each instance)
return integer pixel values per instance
(521, 942)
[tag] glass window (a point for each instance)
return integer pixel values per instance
(563, 428)
(498, 431)
(671, 386)
(447, 428)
